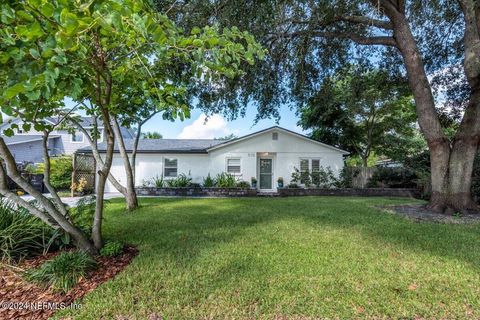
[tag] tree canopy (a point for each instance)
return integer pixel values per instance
(363, 111)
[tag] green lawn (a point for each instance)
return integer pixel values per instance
(318, 257)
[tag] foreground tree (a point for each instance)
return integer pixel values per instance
(86, 52)
(308, 40)
(363, 111)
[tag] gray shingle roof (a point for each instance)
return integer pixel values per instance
(163, 145)
(24, 138)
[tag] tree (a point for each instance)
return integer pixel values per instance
(92, 53)
(361, 110)
(151, 135)
(230, 136)
(309, 40)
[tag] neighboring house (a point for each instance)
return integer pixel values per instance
(27, 146)
(266, 155)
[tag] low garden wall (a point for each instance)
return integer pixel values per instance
(368, 192)
(197, 192)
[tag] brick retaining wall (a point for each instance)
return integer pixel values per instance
(196, 192)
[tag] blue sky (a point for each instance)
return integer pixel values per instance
(217, 126)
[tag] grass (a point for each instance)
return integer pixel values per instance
(318, 257)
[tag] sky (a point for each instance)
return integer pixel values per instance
(198, 127)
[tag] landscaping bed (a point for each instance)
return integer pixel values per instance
(367, 192)
(23, 300)
(420, 212)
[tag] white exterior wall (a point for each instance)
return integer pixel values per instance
(286, 153)
(149, 165)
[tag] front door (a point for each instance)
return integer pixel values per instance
(266, 174)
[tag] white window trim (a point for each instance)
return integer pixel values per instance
(239, 174)
(71, 137)
(165, 167)
(310, 167)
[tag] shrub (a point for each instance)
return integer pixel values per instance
(293, 186)
(23, 235)
(208, 181)
(225, 180)
(61, 169)
(243, 184)
(195, 185)
(393, 178)
(182, 181)
(253, 180)
(111, 249)
(63, 272)
(82, 214)
(324, 178)
(158, 181)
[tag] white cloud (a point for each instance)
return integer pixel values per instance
(203, 128)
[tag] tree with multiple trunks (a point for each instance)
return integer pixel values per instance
(93, 52)
(309, 40)
(362, 110)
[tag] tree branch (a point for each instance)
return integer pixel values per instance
(377, 40)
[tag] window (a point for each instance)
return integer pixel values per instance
(308, 166)
(275, 136)
(315, 165)
(76, 137)
(170, 167)
(304, 165)
(233, 166)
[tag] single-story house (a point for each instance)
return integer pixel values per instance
(266, 155)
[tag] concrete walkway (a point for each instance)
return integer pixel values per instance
(72, 201)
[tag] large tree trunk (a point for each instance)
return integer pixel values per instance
(131, 196)
(451, 161)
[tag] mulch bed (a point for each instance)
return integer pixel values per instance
(17, 295)
(420, 212)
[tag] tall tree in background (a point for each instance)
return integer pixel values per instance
(361, 110)
(309, 40)
(151, 135)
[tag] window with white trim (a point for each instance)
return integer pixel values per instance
(307, 167)
(76, 137)
(170, 167)
(233, 166)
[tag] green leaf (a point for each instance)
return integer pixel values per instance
(8, 15)
(14, 91)
(34, 53)
(47, 9)
(196, 30)
(69, 21)
(8, 132)
(26, 126)
(198, 42)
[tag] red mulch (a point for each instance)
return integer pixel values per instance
(17, 295)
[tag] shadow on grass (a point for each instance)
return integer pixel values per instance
(183, 228)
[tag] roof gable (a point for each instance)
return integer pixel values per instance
(276, 128)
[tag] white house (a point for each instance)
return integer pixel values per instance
(266, 155)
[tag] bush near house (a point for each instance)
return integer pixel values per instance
(61, 169)
(393, 178)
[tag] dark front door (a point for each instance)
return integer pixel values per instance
(266, 173)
